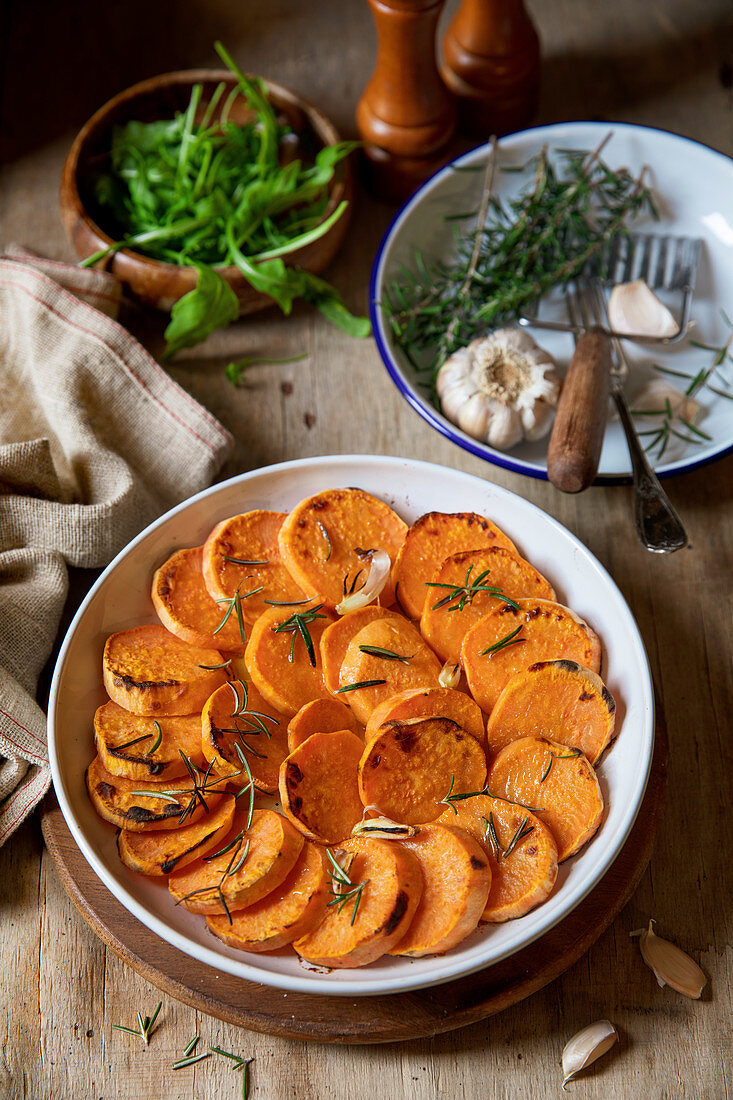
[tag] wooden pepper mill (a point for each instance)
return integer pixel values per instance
(492, 65)
(406, 116)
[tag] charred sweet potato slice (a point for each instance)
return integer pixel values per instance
(507, 641)
(557, 782)
(245, 873)
(319, 790)
(336, 637)
(389, 656)
(326, 540)
(242, 555)
(410, 767)
(559, 700)
(149, 671)
(320, 716)
(460, 594)
(237, 722)
(290, 911)
(283, 656)
(456, 882)
(521, 850)
(124, 742)
(431, 539)
(386, 885)
(161, 852)
(143, 806)
(185, 608)
(437, 702)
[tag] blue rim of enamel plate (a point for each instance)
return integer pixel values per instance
(423, 407)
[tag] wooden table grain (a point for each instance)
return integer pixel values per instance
(665, 63)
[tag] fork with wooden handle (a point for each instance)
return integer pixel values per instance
(580, 423)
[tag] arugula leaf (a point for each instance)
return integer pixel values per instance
(211, 305)
(330, 303)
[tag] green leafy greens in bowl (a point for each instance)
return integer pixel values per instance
(202, 190)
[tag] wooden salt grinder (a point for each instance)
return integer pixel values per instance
(405, 116)
(492, 65)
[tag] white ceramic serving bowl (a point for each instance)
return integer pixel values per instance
(120, 599)
(693, 187)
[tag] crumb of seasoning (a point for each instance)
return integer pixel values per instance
(286, 388)
(310, 419)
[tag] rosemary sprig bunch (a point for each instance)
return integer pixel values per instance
(202, 784)
(297, 625)
(450, 798)
(238, 858)
(234, 603)
(518, 250)
(462, 595)
(343, 889)
(239, 1063)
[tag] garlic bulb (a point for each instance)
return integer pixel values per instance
(635, 309)
(586, 1047)
(500, 389)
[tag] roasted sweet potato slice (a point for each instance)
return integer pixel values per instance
(410, 767)
(521, 850)
(242, 555)
(243, 874)
(456, 882)
(559, 700)
(236, 717)
(283, 655)
(460, 594)
(143, 806)
(161, 852)
(320, 716)
(431, 539)
(184, 606)
(326, 539)
(367, 918)
(292, 910)
(319, 790)
(149, 671)
(507, 641)
(336, 637)
(124, 742)
(389, 656)
(437, 702)
(557, 782)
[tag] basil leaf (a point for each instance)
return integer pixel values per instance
(212, 304)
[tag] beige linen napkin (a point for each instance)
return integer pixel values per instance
(96, 440)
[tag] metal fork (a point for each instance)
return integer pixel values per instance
(658, 525)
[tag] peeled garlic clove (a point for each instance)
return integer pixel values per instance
(450, 675)
(635, 309)
(384, 828)
(654, 397)
(586, 1047)
(670, 964)
(376, 579)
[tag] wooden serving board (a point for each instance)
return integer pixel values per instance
(386, 1019)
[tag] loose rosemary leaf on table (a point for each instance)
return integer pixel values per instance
(519, 250)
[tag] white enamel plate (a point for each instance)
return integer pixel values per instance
(120, 599)
(693, 189)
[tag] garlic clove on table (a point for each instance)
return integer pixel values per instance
(500, 389)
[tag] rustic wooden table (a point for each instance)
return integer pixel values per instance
(665, 63)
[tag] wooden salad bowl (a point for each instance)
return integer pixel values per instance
(155, 282)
